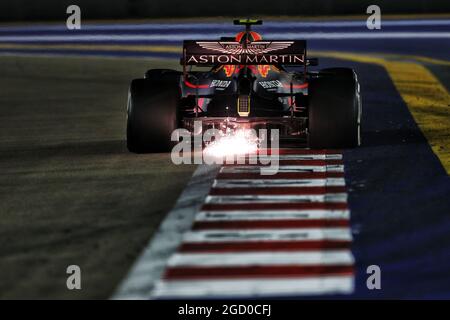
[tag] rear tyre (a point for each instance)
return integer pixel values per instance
(334, 110)
(152, 115)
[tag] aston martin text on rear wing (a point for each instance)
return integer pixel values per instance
(197, 52)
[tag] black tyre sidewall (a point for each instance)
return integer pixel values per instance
(334, 110)
(152, 115)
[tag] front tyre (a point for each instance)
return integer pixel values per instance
(152, 115)
(334, 110)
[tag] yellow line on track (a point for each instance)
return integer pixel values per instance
(423, 59)
(428, 102)
(427, 99)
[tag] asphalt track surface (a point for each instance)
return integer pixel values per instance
(62, 129)
(70, 192)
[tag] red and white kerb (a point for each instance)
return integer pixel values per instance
(265, 236)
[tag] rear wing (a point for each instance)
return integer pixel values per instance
(211, 53)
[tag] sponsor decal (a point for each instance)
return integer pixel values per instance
(236, 48)
(220, 84)
(271, 84)
(244, 59)
(248, 53)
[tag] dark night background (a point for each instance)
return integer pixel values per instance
(20, 10)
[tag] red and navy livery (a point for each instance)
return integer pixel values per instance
(245, 81)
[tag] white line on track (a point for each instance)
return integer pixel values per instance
(236, 288)
(328, 197)
(284, 168)
(332, 257)
(268, 235)
(271, 183)
(297, 157)
(148, 268)
(271, 215)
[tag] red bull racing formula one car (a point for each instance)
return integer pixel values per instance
(250, 83)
